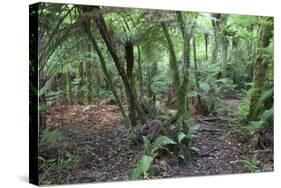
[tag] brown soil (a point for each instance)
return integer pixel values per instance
(112, 157)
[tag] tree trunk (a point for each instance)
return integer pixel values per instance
(81, 75)
(107, 75)
(224, 41)
(206, 45)
(69, 88)
(182, 112)
(89, 84)
(260, 73)
(130, 89)
(216, 27)
(199, 106)
(140, 73)
(173, 58)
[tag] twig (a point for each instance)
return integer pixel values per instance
(205, 122)
(212, 131)
(207, 154)
(261, 151)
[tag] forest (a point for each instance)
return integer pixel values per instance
(129, 94)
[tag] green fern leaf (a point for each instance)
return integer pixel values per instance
(160, 142)
(142, 167)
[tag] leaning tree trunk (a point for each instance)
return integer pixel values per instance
(107, 74)
(130, 89)
(173, 58)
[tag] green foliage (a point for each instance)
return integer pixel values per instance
(251, 165)
(185, 150)
(265, 121)
(60, 166)
(50, 139)
(192, 131)
(243, 109)
(89, 151)
(45, 164)
(264, 97)
(65, 165)
(158, 144)
(151, 151)
(142, 167)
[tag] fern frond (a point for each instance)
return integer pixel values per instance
(142, 167)
(160, 142)
(147, 145)
(265, 95)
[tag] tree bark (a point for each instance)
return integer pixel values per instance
(182, 112)
(216, 27)
(260, 73)
(107, 75)
(224, 41)
(130, 91)
(206, 45)
(173, 58)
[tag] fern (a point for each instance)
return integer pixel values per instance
(192, 131)
(265, 95)
(142, 167)
(159, 143)
(50, 138)
(147, 145)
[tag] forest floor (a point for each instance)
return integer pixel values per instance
(96, 136)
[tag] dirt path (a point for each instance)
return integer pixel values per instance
(97, 137)
(222, 152)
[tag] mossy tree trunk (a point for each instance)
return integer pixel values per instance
(260, 74)
(182, 100)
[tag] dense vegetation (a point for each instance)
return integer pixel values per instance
(166, 76)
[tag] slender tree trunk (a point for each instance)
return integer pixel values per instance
(130, 89)
(107, 75)
(199, 106)
(140, 73)
(89, 90)
(216, 27)
(69, 88)
(182, 112)
(206, 45)
(173, 58)
(224, 41)
(195, 63)
(224, 57)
